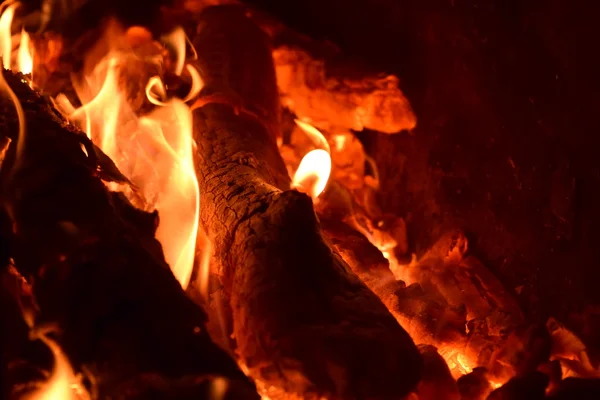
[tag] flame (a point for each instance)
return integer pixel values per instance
(23, 61)
(176, 39)
(24, 57)
(8, 13)
(315, 135)
(154, 151)
(63, 383)
(313, 172)
(340, 142)
(170, 130)
(206, 249)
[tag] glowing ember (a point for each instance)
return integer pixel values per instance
(313, 172)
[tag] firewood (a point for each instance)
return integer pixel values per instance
(96, 270)
(304, 324)
(426, 319)
(437, 382)
(528, 387)
(340, 99)
(432, 310)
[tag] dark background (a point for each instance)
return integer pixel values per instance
(507, 95)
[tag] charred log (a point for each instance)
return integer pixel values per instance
(526, 387)
(96, 270)
(474, 385)
(303, 322)
(437, 382)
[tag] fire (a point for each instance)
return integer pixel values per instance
(313, 172)
(24, 57)
(22, 61)
(154, 150)
(7, 11)
(63, 383)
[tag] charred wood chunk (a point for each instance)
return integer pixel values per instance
(424, 317)
(475, 385)
(527, 387)
(575, 388)
(437, 382)
(97, 271)
(304, 324)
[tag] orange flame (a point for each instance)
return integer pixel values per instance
(24, 57)
(170, 130)
(23, 60)
(205, 247)
(63, 383)
(313, 172)
(8, 13)
(154, 151)
(177, 40)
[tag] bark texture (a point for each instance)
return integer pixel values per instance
(305, 325)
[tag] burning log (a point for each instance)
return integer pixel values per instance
(450, 288)
(97, 272)
(428, 320)
(315, 91)
(304, 324)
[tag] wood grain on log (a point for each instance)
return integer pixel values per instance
(96, 269)
(305, 325)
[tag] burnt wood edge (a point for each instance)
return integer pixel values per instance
(304, 324)
(96, 270)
